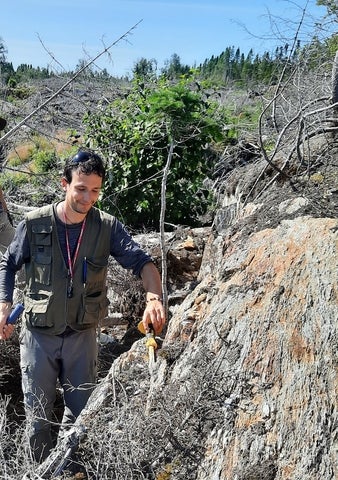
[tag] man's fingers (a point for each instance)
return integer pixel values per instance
(7, 331)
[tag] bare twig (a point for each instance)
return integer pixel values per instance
(279, 90)
(49, 52)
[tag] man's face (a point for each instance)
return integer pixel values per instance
(82, 192)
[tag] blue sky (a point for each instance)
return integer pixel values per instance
(194, 29)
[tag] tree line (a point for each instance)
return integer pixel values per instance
(231, 65)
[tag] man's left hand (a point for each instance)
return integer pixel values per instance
(154, 315)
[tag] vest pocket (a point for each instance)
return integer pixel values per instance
(36, 309)
(42, 268)
(42, 253)
(95, 308)
(96, 276)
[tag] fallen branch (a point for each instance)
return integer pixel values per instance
(20, 208)
(60, 457)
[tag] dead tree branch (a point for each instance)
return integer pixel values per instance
(279, 90)
(59, 457)
(49, 52)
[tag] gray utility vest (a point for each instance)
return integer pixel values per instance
(47, 307)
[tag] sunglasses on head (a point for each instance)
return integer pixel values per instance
(81, 157)
(85, 161)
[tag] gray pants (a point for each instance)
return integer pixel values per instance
(46, 360)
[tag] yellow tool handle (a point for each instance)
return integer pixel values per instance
(151, 342)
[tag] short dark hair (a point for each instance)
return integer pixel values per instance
(85, 161)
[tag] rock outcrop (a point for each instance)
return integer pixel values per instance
(270, 315)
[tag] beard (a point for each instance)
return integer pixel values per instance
(80, 209)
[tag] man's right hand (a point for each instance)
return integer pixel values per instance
(6, 330)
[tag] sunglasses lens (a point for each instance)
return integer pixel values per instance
(81, 157)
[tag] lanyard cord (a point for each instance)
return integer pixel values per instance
(71, 263)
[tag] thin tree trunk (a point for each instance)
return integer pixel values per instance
(335, 79)
(162, 231)
(335, 91)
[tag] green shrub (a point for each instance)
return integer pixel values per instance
(10, 182)
(135, 133)
(44, 160)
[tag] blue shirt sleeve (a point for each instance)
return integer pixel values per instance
(126, 251)
(17, 253)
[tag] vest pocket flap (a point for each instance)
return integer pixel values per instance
(92, 308)
(95, 309)
(95, 303)
(36, 304)
(42, 234)
(100, 263)
(36, 310)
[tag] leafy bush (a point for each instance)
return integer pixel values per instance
(20, 92)
(10, 182)
(135, 133)
(44, 160)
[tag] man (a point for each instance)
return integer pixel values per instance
(65, 249)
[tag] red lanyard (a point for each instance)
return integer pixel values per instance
(71, 263)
